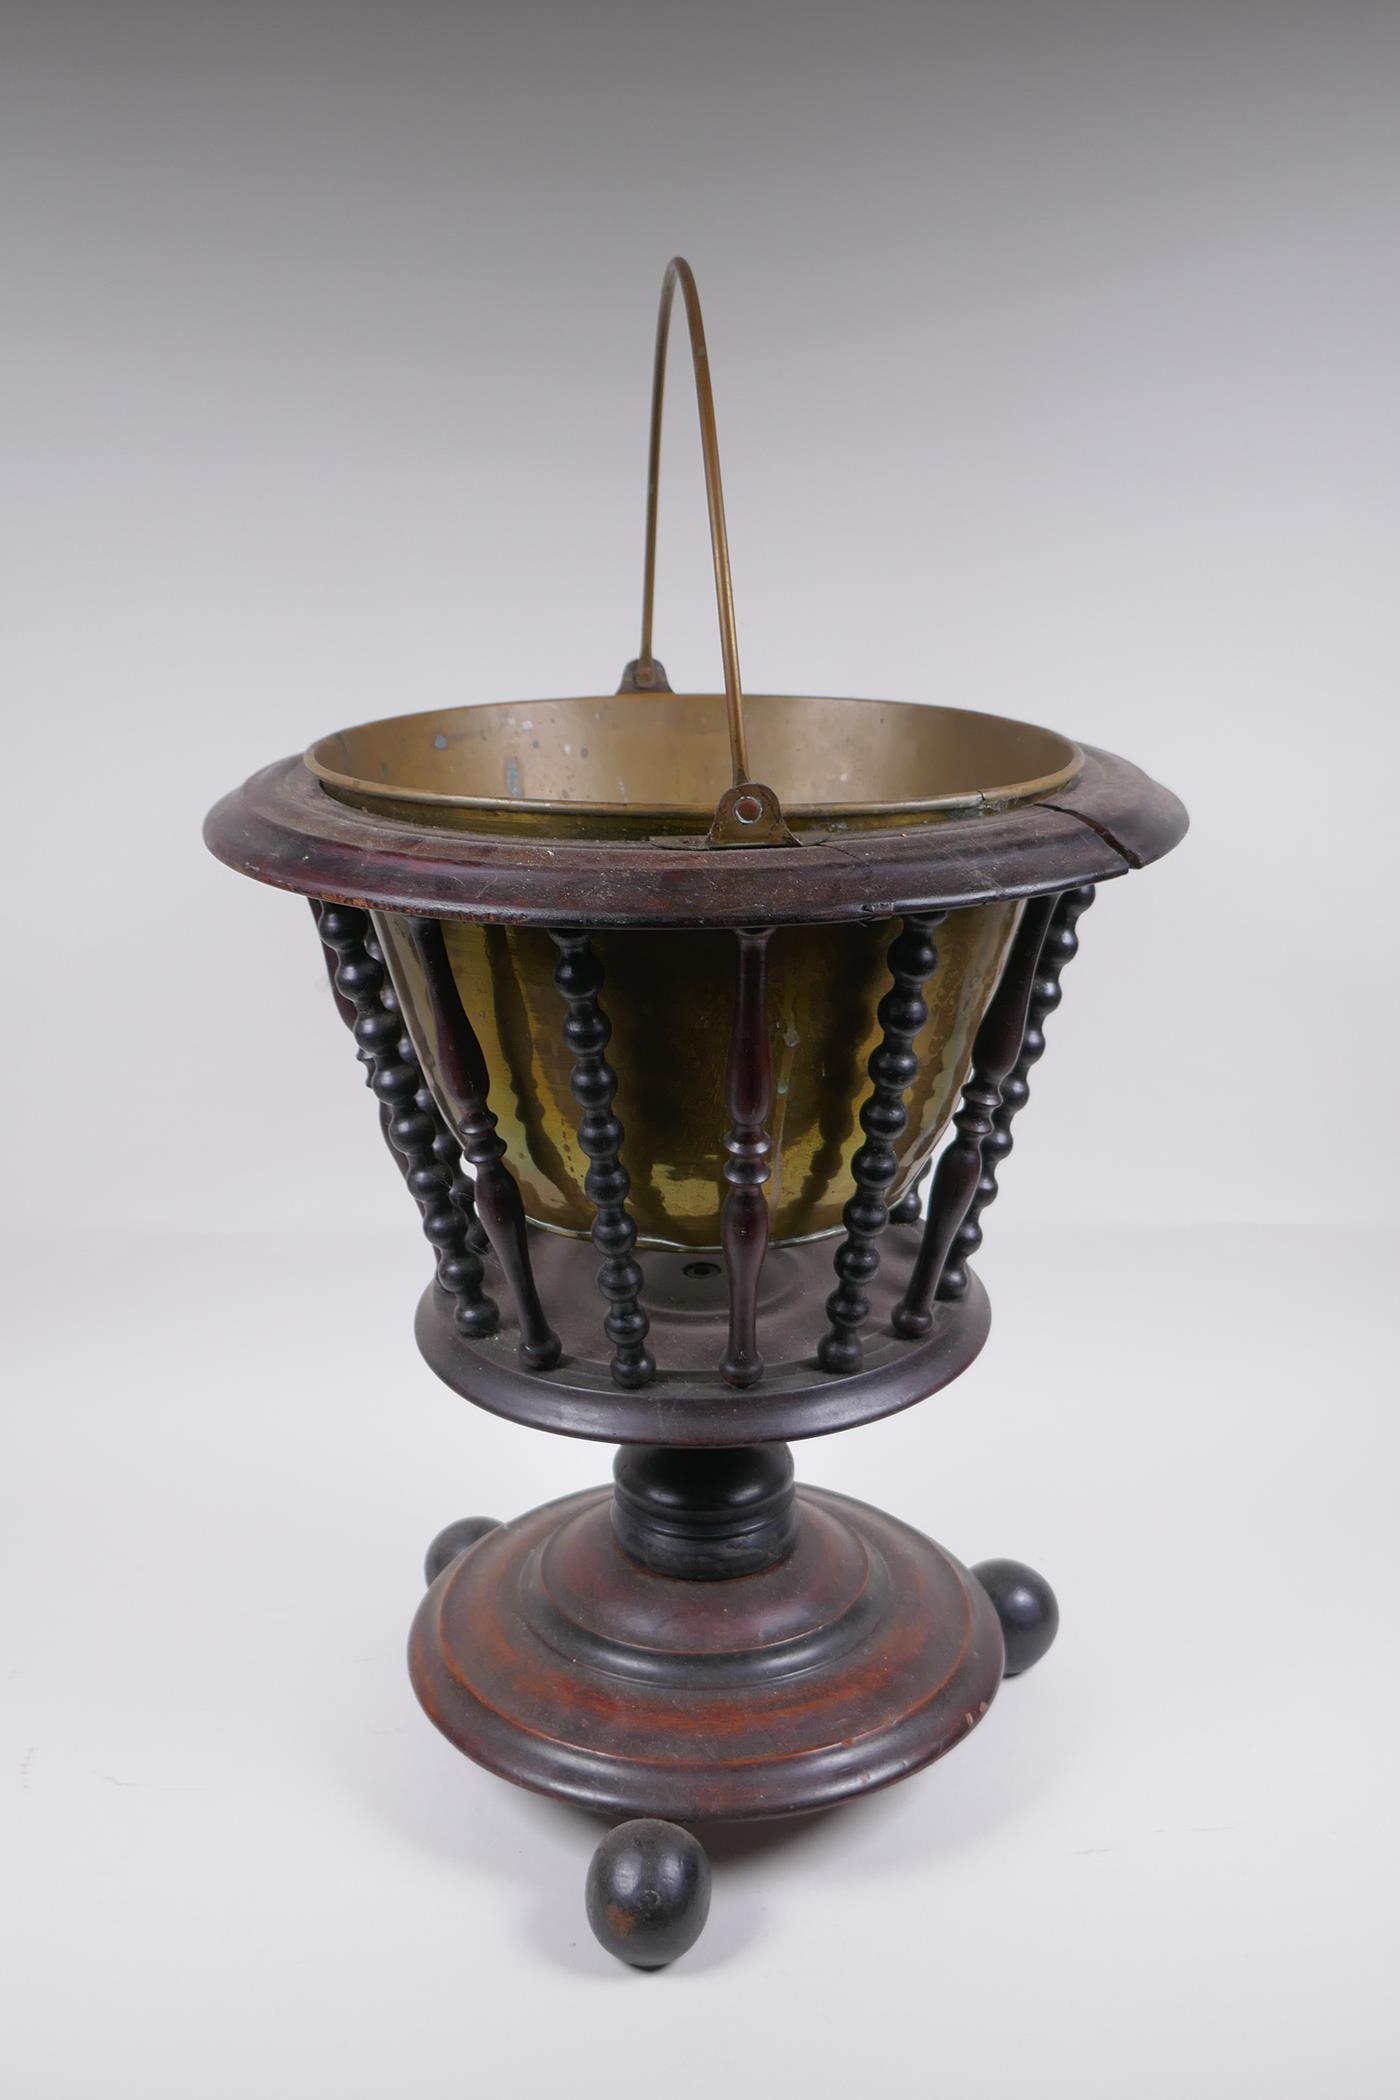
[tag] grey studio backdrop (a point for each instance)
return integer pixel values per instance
(1054, 349)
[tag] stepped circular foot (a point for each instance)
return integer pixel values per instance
(452, 1541)
(554, 1658)
(648, 1892)
(1025, 1604)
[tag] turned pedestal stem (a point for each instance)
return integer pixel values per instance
(705, 1515)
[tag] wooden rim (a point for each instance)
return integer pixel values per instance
(281, 828)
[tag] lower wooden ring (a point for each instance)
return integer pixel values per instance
(687, 1403)
(549, 1657)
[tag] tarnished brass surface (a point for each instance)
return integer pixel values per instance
(630, 765)
(703, 771)
(669, 996)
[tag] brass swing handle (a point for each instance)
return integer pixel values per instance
(748, 813)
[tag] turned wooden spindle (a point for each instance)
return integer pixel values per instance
(343, 1006)
(892, 1066)
(448, 1151)
(593, 1083)
(449, 1155)
(748, 1102)
(959, 1166)
(465, 1079)
(1060, 948)
(411, 1129)
(910, 1207)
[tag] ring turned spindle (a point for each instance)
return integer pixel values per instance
(587, 1030)
(667, 1001)
(748, 1150)
(893, 1067)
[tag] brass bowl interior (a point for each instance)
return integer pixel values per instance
(628, 762)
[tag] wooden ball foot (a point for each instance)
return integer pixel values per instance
(1025, 1604)
(648, 1892)
(453, 1541)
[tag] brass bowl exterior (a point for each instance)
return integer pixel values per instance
(669, 996)
(630, 765)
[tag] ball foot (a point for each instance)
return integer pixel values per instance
(453, 1541)
(648, 1892)
(1025, 1604)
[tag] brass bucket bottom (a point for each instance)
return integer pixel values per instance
(635, 765)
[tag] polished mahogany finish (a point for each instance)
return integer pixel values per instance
(687, 1403)
(551, 1657)
(453, 1540)
(281, 828)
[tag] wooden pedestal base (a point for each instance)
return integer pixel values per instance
(556, 1659)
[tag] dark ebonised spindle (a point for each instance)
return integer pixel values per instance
(445, 1145)
(343, 1006)
(463, 1188)
(465, 1078)
(593, 1083)
(449, 1152)
(959, 1166)
(902, 1012)
(909, 1208)
(1060, 948)
(412, 1131)
(748, 1102)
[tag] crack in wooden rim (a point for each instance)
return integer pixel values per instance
(281, 828)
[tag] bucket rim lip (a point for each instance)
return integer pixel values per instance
(356, 790)
(279, 827)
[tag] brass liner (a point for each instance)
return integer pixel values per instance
(669, 997)
(628, 766)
